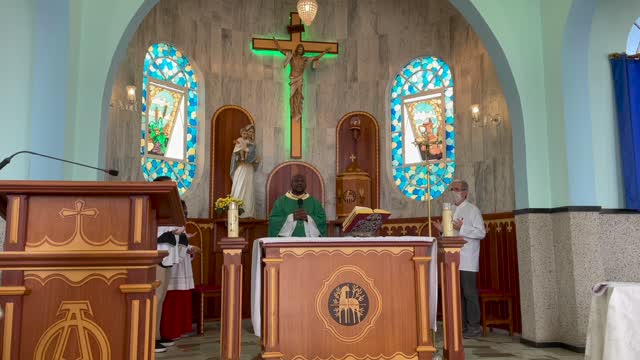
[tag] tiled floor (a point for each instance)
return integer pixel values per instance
(492, 347)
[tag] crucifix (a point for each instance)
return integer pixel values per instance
(294, 49)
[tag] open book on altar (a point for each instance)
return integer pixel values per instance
(363, 221)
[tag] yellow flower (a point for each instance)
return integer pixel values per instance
(222, 204)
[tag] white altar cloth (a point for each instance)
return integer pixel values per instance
(256, 269)
(614, 322)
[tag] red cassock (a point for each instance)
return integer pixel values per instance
(176, 314)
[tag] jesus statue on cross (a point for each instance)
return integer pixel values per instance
(298, 64)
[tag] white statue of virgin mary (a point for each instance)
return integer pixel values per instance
(244, 159)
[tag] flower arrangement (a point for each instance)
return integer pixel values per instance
(222, 204)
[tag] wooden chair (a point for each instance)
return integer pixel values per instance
(200, 293)
(497, 296)
(279, 181)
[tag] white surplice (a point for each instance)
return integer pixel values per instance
(289, 226)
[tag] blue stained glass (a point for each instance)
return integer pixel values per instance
(409, 90)
(180, 80)
(165, 62)
(417, 76)
(399, 81)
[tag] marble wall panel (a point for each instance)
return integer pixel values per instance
(565, 272)
(619, 236)
(588, 270)
(376, 38)
(561, 256)
(537, 270)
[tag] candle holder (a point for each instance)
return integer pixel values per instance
(233, 228)
(447, 224)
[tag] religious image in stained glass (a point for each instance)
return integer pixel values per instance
(165, 121)
(422, 128)
(169, 126)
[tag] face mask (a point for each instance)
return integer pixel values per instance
(457, 197)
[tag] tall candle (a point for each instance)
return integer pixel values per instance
(447, 224)
(232, 221)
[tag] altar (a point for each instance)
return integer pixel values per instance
(613, 322)
(336, 297)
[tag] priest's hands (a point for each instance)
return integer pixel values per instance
(193, 250)
(300, 214)
(181, 230)
(178, 231)
(457, 224)
(437, 225)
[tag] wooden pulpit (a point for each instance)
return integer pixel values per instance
(78, 268)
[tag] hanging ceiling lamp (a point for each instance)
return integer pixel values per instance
(307, 10)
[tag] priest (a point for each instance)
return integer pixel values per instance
(297, 213)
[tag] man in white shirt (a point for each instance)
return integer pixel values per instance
(468, 223)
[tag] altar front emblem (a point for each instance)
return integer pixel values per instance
(74, 335)
(348, 303)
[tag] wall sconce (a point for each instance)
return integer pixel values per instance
(131, 103)
(131, 94)
(487, 120)
(475, 114)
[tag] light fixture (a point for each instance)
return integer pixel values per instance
(475, 114)
(131, 94)
(130, 104)
(483, 121)
(307, 10)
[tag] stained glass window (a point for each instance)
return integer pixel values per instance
(422, 124)
(169, 116)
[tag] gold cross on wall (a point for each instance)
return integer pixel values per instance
(295, 30)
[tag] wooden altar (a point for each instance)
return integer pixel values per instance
(357, 298)
(78, 265)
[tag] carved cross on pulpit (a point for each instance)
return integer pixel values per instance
(294, 49)
(79, 212)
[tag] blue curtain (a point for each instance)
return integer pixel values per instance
(626, 80)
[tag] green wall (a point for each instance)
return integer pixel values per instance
(554, 17)
(100, 25)
(610, 30)
(16, 38)
(517, 27)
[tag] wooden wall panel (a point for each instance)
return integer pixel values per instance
(367, 149)
(226, 124)
(499, 264)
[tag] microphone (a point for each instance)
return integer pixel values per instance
(7, 160)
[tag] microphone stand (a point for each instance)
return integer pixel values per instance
(7, 160)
